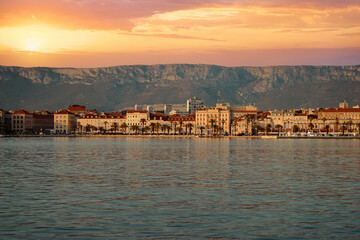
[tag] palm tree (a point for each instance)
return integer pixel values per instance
(279, 128)
(235, 123)
(296, 128)
(212, 121)
(171, 125)
(146, 129)
(311, 125)
(105, 123)
(180, 126)
(201, 130)
(337, 123)
(350, 124)
(115, 126)
(247, 125)
(143, 121)
(152, 126)
(268, 128)
(175, 123)
(327, 128)
(324, 121)
(79, 126)
(123, 127)
(87, 128)
(190, 126)
(135, 128)
(343, 128)
(223, 123)
(158, 125)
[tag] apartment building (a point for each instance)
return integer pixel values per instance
(64, 122)
(22, 121)
(207, 118)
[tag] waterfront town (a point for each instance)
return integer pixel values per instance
(192, 118)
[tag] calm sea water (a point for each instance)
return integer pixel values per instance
(153, 188)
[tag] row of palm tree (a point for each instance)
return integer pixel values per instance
(154, 126)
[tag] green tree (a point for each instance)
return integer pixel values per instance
(327, 128)
(190, 126)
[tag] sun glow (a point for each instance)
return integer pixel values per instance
(32, 46)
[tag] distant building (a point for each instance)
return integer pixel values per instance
(194, 104)
(77, 109)
(95, 122)
(133, 117)
(64, 122)
(344, 105)
(22, 121)
(5, 121)
(207, 118)
(43, 121)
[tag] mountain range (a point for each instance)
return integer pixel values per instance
(119, 87)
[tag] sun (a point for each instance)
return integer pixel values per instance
(32, 45)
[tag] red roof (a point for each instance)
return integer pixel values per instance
(76, 108)
(137, 111)
(340, 110)
(62, 111)
(22, 112)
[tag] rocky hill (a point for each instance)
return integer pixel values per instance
(113, 88)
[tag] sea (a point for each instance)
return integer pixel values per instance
(179, 188)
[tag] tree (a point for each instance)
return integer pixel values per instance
(115, 126)
(175, 123)
(324, 121)
(87, 128)
(201, 130)
(79, 126)
(212, 124)
(171, 125)
(296, 128)
(157, 125)
(143, 121)
(350, 124)
(337, 123)
(190, 126)
(105, 123)
(235, 123)
(268, 128)
(343, 128)
(327, 128)
(247, 124)
(223, 124)
(152, 126)
(123, 127)
(180, 126)
(311, 125)
(279, 128)
(135, 128)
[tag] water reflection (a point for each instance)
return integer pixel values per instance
(136, 188)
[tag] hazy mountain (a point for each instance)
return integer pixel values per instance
(112, 88)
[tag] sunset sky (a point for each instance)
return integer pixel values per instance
(96, 33)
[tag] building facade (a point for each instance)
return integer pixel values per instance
(209, 119)
(22, 121)
(64, 122)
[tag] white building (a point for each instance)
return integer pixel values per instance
(194, 104)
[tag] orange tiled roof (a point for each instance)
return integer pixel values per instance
(340, 110)
(22, 112)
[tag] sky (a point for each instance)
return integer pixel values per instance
(99, 33)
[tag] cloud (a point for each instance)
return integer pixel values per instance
(120, 14)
